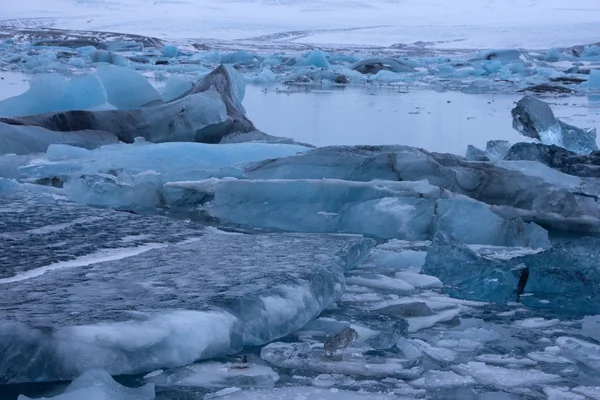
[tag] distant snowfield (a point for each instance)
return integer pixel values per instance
(453, 24)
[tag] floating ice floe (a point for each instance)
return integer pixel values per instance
(534, 118)
(200, 314)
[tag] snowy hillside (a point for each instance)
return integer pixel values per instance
(462, 23)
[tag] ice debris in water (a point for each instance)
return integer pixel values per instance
(495, 150)
(559, 274)
(385, 209)
(217, 375)
(534, 118)
(96, 384)
(336, 344)
(304, 357)
(305, 393)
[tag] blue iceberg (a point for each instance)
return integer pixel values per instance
(566, 276)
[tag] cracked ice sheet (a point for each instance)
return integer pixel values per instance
(459, 24)
(504, 378)
(306, 393)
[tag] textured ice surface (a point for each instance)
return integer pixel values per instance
(204, 302)
(441, 380)
(217, 375)
(302, 356)
(96, 384)
(126, 89)
(560, 275)
(131, 176)
(504, 378)
(52, 92)
(534, 118)
(385, 209)
(512, 193)
(304, 393)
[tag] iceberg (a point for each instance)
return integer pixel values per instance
(50, 92)
(303, 357)
(131, 176)
(204, 303)
(175, 88)
(217, 375)
(207, 113)
(534, 118)
(544, 196)
(315, 58)
(559, 275)
(169, 51)
(557, 158)
(127, 89)
(383, 209)
(373, 65)
(97, 384)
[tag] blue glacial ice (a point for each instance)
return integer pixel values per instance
(565, 276)
(127, 89)
(316, 58)
(533, 118)
(132, 176)
(177, 303)
(536, 194)
(383, 209)
(51, 92)
(96, 384)
(175, 87)
(169, 51)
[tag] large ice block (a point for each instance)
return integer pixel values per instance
(565, 276)
(127, 89)
(52, 92)
(551, 200)
(384, 209)
(165, 306)
(534, 118)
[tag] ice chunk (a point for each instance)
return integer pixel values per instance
(561, 393)
(511, 192)
(207, 303)
(169, 50)
(385, 209)
(21, 140)
(441, 380)
(502, 359)
(306, 393)
(534, 118)
(218, 375)
(461, 217)
(404, 310)
(422, 322)
(581, 351)
(503, 55)
(300, 356)
(439, 354)
(175, 88)
(550, 355)
(54, 93)
(127, 89)
(99, 385)
(336, 344)
(592, 392)
(108, 57)
(373, 65)
(504, 378)
(559, 274)
(315, 58)
(535, 323)
(420, 281)
(376, 281)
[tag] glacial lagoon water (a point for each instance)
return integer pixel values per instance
(434, 121)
